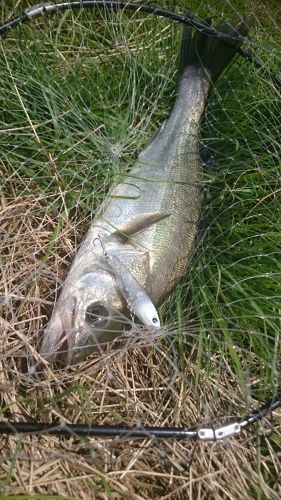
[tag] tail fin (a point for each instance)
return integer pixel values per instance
(211, 53)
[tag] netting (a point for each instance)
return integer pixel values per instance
(81, 94)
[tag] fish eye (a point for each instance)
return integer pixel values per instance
(97, 315)
(154, 320)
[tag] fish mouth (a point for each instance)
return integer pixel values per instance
(61, 348)
(56, 352)
(60, 337)
(61, 355)
(57, 338)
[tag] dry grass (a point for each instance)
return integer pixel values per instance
(140, 385)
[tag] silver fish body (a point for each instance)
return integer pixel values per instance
(141, 240)
(165, 180)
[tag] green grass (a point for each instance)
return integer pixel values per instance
(80, 96)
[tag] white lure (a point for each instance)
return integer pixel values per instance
(138, 301)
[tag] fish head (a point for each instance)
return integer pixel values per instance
(89, 313)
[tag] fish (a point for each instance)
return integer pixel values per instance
(142, 237)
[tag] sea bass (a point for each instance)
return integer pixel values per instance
(142, 237)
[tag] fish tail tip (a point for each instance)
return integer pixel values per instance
(214, 52)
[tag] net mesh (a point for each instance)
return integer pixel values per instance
(81, 94)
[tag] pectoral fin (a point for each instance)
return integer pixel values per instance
(140, 223)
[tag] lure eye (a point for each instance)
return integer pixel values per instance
(97, 315)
